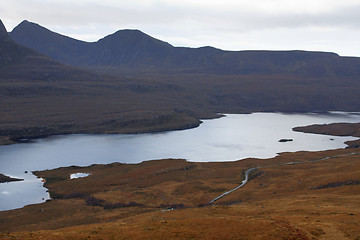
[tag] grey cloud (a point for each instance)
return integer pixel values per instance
(195, 25)
(78, 14)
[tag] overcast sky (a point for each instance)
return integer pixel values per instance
(319, 25)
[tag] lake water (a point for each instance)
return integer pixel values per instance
(234, 137)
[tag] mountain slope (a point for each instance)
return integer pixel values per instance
(41, 97)
(112, 50)
(54, 45)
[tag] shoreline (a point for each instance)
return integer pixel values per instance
(152, 158)
(335, 129)
(23, 135)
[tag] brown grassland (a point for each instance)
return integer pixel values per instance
(309, 200)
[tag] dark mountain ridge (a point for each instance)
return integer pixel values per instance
(132, 51)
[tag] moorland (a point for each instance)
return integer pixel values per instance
(303, 195)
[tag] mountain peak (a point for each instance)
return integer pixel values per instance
(28, 27)
(35, 32)
(134, 37)
(25, 22)
(133, 32)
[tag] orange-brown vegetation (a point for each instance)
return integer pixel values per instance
(309, 200)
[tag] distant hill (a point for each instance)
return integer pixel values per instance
(132, 51)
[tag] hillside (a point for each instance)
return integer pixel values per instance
(42, 97)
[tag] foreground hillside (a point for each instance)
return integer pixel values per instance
(169, 199)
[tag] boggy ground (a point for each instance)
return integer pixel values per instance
(169, 199)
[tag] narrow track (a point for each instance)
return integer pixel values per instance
(248, 171)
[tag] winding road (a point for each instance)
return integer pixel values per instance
(248, 171)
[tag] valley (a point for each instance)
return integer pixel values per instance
(130, 82)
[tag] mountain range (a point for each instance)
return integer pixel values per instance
(131, 82)
(132, 51)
